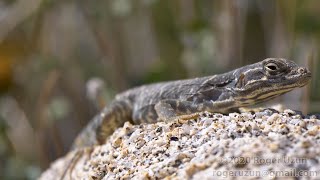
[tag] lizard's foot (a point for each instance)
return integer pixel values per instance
(182, 118)
(167, 113)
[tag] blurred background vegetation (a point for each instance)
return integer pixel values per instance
(61, 60)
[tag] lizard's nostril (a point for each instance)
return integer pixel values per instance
(301, 70)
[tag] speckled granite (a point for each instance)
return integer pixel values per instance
(214, 146)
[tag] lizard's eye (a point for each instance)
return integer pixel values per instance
(272, 67)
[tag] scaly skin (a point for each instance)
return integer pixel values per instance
(222, 93)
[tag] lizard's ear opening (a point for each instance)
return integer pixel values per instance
(241, 82)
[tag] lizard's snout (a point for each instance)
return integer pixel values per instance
(303, 70)
(304, 76)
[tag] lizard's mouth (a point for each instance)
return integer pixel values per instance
(302, 78)
(305, 79)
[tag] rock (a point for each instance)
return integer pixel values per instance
(209, 147)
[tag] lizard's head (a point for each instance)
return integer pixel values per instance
(267, 79)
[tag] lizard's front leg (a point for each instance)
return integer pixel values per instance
(171, 109)
(168, 110)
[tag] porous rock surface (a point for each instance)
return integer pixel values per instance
(213, 146)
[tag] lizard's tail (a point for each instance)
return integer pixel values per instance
(104, 124)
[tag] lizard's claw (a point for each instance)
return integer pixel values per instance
(185, 117)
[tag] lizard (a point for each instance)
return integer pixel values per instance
(223, 93)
